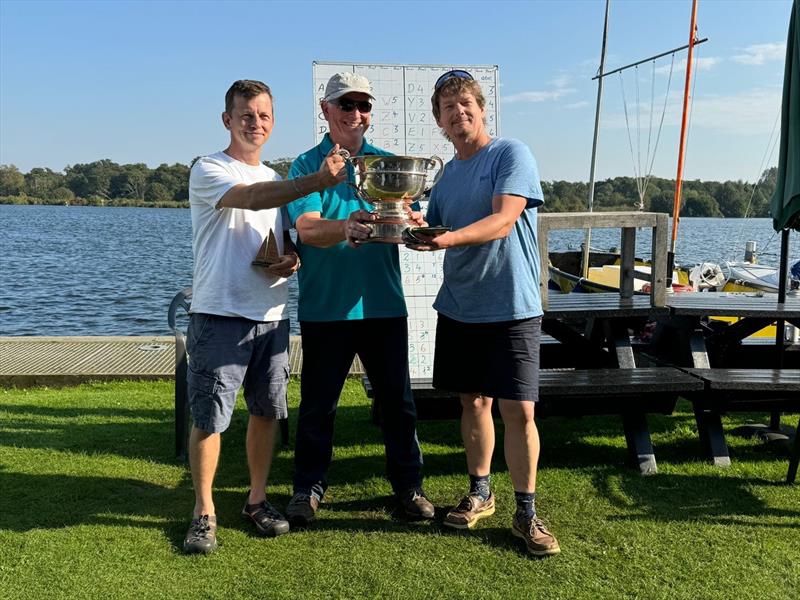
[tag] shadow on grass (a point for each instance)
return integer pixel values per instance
(127, 433)
(137, 433)
(499, 537)
(54, 501)
(691, 498)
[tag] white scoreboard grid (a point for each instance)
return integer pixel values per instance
(402, 123)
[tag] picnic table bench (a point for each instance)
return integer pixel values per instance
(630, 393)
(739, 389)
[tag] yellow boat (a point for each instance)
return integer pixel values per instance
(603, 276)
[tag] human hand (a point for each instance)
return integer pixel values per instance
(286, 265)
(357, 228)
(416, 217)
(333, 169)
(430, 241)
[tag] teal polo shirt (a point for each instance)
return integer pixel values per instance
(340, 283)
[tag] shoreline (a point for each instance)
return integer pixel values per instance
(33, 361)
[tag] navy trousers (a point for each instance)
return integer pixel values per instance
(328, 352)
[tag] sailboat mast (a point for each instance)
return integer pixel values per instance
(588, 238)
(676, 208)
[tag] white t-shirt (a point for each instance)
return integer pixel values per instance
(226, 240)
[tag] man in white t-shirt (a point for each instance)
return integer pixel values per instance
(238, 331)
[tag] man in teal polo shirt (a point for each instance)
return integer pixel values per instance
(351, 303)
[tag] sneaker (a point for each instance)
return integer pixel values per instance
(538, 539)
(469, 511)
(302, 509)
(202, 535)
(268, 521)
(415, 504)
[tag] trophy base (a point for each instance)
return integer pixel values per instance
(387, 233)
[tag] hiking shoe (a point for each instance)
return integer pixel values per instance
(469, 511)
(415, 504)
(302, 509)
(268, 521)
(202, 535)
(538, 539)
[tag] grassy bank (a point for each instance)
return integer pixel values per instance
(93, 505)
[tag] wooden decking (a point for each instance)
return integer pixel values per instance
(28, 361)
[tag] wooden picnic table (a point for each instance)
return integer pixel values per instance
(688, 338)
(628, 222)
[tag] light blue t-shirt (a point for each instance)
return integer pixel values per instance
(341, 283)
(498, 280)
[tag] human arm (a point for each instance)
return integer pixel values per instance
(322, 233)
(272, 194)
(506, 209)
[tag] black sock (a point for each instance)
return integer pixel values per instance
(526, 503)
(480, 486)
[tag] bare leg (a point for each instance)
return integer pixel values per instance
(521, 443)
(477, 431)
(260, 443)
(203, 458)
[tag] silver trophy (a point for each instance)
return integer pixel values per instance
(391, 184)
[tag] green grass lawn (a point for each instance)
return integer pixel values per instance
(93, 505)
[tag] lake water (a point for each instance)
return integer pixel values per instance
(113, 271)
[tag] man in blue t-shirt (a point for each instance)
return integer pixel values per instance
(489, 323)
(351, 303)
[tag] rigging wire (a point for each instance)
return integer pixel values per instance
(643, 178)
(652, 106)
(769, 152)
(661, 123)
(638, 132)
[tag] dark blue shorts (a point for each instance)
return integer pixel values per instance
(228, 352)
(498, 360)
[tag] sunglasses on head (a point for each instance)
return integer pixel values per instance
(461, 74)
(348, 105)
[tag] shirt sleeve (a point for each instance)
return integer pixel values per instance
(517, 174)
(209, 181)
(310, 203)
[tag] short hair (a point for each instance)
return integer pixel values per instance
(246, 88)
(453, 87)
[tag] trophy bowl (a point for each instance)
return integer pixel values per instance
(391, 184)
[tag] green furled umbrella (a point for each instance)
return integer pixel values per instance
(786, 199)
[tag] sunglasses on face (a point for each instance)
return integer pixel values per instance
(449, 75)
(348, 105)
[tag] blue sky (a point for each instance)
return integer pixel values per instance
(145, 81)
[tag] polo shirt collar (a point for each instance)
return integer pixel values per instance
(326, 145)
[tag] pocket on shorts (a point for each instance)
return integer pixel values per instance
(202, 382)
(279, 385)
(203, 390)
(280, 378)
(194, 332)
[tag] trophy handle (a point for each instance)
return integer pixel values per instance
(432, 162)
(345, 154)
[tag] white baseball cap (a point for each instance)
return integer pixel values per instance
(345, 83)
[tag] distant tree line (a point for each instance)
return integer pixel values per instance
(104, 182)
(698, 198)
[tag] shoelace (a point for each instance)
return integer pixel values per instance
(535, 524)
(200, 528)
(540, 526)
(466, 503)
(300, 499)
(266, 511)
